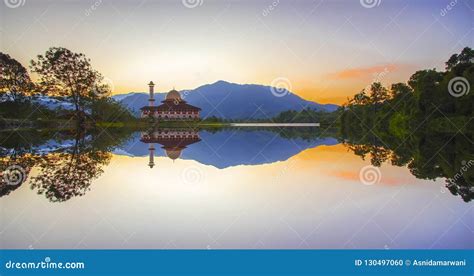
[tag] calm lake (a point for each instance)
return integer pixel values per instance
(229, 188)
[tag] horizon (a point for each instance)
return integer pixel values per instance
(321, 51)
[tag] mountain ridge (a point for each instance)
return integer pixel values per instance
(221, 98)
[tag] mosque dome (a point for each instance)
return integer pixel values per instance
(173, 153)
(173, 95)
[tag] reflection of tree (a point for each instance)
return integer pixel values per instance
(23, 163)
(305, 133)
(64, 170)
(377, 154)
(6, 189)
(427, 156)
(65, 175)
(67, 160)
(459, 186)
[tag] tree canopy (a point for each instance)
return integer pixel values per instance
(70, 75)
(15, 82)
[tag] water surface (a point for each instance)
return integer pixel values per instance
(233, 188)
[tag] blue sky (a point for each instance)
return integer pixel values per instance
(325, 50)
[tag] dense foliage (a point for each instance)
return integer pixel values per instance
(307, 115)
(68, 74)
(15, 82)
(428, 100)
(426, 124)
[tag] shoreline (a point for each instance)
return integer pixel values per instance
(275, 124)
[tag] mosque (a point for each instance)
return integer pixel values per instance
(173, 108)
(173, 141)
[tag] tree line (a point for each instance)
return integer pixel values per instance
(425, 124)
(438, 101)
(62, 75)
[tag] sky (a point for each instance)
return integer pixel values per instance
(321, 50)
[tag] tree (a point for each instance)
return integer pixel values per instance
(466, 56)
(70, 75)
(361, 98)
(424, 84)
(402, 97)
(14, 79)
(400, 90)
(378, 93)
(452, 61)
(108, 110)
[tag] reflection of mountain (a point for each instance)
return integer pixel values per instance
(233, 147)
(220, 99)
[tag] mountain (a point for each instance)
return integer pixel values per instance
(231, 101)
(232, 147)
(53, 103)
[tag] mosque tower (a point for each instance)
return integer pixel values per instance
(151, 100)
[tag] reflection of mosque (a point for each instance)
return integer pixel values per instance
(173, 141)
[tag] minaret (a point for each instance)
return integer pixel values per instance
(151, 148)
(151, 100)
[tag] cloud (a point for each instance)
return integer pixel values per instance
(364, 72)
(353, 175)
